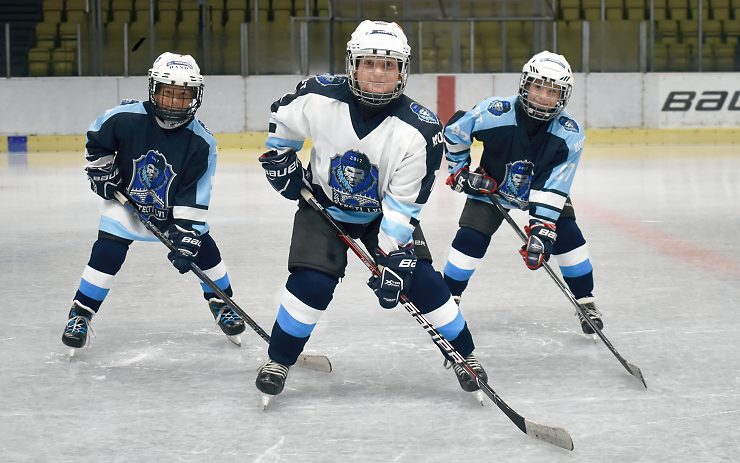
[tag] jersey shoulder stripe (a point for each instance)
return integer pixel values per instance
(200, 129)
(569, 130)
(414, 114)
(329, 85)
(130, 108)
(496, 111)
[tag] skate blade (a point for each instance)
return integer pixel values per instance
(265, 401)
(71, 352)
(593, 336)
(480, 397)
(236, 339)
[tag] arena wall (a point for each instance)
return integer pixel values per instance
(64, 107)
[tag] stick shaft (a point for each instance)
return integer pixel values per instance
(632, 369)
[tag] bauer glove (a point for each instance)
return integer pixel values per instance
(397, 268)
(104, 179)
(540, 243)
(285, 173)
(187, 244)
(473, 183)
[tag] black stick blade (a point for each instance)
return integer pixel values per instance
(635, 372)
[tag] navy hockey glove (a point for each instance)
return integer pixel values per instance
(104, 180)
(285, 173)
(539, 245)
(397, 270)
(473, 183)
(187, 244)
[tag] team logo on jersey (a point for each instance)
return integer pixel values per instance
(568, 124)
(424, 114)
(330, 79)
(499, 107)
(354, 182)
(517, 182)
(150, 184)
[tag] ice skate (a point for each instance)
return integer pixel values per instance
(271, 380)
(466, 381)
(78, 326)
(588, 304)
(229, 321)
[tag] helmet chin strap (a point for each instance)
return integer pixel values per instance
(169, 125)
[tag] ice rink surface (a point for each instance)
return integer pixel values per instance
(161, 383)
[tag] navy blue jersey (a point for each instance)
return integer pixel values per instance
(534, 173)
(168, 173)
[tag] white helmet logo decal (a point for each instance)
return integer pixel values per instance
(184, 65)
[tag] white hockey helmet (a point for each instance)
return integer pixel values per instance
(180, 71)
(550, 70)
(383, 40)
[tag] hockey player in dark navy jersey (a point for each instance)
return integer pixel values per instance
(164, 159)
(373, 164)
(531, 149)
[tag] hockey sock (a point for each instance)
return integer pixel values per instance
(106, 259)
(209, 260)
(430, 295)
(466, 252)
(572, 255)
(307, 295)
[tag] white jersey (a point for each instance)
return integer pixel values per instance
(362, 168)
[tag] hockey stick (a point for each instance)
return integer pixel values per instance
(313, 362)
(553, 435)
(632, 369)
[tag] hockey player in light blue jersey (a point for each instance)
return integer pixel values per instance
(531, 149)
(373, 164)
(163, 158)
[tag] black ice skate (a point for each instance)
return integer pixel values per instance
(78, 325)
(229, 321)
(466, 381)
(271, 377)
(588, 304)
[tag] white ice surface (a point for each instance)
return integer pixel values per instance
(161, 383)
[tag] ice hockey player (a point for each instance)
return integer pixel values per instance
(164, 158)
(373, 163)
(531, 149)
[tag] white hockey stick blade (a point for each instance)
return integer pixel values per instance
(236, 339)
(315, 362)
(550, 434)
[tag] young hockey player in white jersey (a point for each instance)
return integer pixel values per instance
(373, 163)
(531, 149)
(164, 158)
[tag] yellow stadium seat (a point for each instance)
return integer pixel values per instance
(38, 61)
(190, 5)
(592, 14)
(678, 9)
(63, 61)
